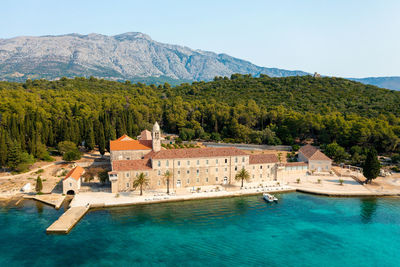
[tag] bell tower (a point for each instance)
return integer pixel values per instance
(156, 138)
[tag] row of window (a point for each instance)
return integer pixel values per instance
(198, 162)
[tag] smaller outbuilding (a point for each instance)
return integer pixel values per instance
(317, 161)
(72, 182)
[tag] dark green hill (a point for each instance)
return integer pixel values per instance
(237, 109)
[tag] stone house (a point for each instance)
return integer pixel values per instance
(317, 161)
(72, 181)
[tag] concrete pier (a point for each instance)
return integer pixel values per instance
(68, 220)
(54, 200)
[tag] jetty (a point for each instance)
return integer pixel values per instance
(67, 220)
(54, 200)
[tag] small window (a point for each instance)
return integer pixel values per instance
(226, 169)
(188, 181)
(206, 170)
(254, 167)
(236, 160)
(197, 180)
(243, 159)
(197, 171)
(235, 168)
(216, 169)
(128, 158)
(216, 179)
(260, 175)
(70, 184)
(127, 185)
(159, 182)
(127, 174)
(179, 172)
(198, 162)
(207, 179)
(187, 171)
(159, 172)
(188, 163)
(206, 161)
(159, 163)
(226, 160)
(253, 176)
(260, 166)
(216, 161)
(267, 166)
(179, 163)
(167, 163)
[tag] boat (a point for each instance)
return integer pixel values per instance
(269, 198)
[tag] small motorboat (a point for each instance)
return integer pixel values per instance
(269, 198)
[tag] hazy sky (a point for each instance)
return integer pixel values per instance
(353, 38)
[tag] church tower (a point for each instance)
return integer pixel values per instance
(156, 135)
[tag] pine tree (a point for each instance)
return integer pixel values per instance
(39, 184)
(3, 148)
(102, 141)
(372, 166)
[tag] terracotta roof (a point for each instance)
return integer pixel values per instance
(263, 158)
(308, 150)
(127, 143)
(296, 164)
(318, 155)
(145, 135)
(196, 153)
(131, 165)
(75, 173)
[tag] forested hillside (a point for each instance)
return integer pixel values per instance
(40, 113)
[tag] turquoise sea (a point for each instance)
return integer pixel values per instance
(300, 230)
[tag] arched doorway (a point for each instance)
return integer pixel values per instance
(71, 192)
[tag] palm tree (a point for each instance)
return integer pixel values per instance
(140, 180)
(167, 178)
(242, 175)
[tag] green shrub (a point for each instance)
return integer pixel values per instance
(72, 155)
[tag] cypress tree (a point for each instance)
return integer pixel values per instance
(39, 185)
(102, 141)
(372, 166)
(3, 148)
(89, 140)
(14, 155)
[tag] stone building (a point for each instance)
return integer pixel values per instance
(72, 181)
(316, 160)
(190, 167)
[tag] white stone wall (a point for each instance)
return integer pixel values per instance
(128, 154)
(71, 184)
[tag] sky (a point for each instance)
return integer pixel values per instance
(352, 38)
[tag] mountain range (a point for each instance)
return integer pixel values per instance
(129, 56)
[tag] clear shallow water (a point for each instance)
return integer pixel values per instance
(301, 230)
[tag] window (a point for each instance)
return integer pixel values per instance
(197, 172)
(198, 162)
(236, 159)
(260, 175)
(206, 170)
(128, 158)
(216, 161)
(197, 180)
(253, 176)
(216, 179)
(216, 169)
(70, 184)
(187, 171)
(254, 167)
(179, 172)
(260, 166)
(127, 174)
(179, 163)
(226, 169)
(188, 163)
(207, 161)
(159, 182)
(226, 160)
(159, 163)
(127, 185)
(188, 181)
(243, 159)
(167, 163)
(235, 168)
(159, 172)
(207, 179)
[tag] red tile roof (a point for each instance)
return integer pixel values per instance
(296, 164)
(131, 165)
(196, 153)
(127, 143)
(263, 158)
(318, 155)
(75, 173)
(313, 153)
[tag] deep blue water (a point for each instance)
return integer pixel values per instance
(300, 230)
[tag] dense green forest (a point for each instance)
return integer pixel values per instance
(39, 114)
